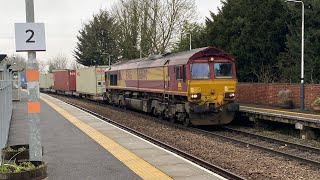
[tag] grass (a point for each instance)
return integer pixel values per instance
(9, 149)
(12, 167)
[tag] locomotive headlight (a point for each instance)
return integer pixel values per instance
(230, 95)
(196, 96)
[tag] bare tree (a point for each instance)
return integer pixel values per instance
(58, 62)
(43, 67)
(152, 25)
(75, 65)
(17, 60)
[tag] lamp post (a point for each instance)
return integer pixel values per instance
(190, 46)
(302, 56)
(140, 50)
(108, 57)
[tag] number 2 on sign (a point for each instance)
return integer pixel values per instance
(32, 34)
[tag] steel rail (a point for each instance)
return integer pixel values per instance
(287, 143)
(248, 144)
(216, 169)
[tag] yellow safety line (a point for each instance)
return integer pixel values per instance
(273, 110)
(132, 161)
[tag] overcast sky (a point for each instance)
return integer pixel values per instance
(63, 19)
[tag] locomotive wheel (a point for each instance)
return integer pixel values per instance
(173, 120)
(154, 111)
(122, 106)
(187, 122)
(161, 116)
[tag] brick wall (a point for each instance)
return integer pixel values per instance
(266, 94)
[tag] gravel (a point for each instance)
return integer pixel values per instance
(247, 162)
(279, 135)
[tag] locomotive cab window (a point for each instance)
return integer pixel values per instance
(180, 72)
(200, 71)
(113, 78)
(223, 70)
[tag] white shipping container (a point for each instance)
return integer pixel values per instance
(50, 80)
(46, 81)
(91, 81)
(43, 81)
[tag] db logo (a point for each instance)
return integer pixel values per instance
(78, 73)
(100, 71)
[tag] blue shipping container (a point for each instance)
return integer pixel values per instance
(23, 80)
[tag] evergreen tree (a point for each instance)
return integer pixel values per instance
(290, 59)
(199, 37)
(254, 32)
(96, 40)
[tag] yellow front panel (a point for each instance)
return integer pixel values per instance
(212, 91)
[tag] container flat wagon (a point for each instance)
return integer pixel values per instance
(64, 81)
(90, 82)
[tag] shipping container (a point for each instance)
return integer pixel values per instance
(46, 81)
(23, 79)
(91, 82)
(50, 80)
(64, 80)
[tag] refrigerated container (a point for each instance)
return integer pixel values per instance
(90, 82)
(46, 81)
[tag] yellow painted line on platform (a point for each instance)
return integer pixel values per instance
(132, 161)
(273, 110)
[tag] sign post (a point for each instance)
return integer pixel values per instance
(30, 37)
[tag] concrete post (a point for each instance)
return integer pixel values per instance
(32, 73)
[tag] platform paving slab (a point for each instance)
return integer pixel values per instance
(70, 154)
(164, 160)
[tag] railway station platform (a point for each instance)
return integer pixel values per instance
(78, 145)
(302, 120)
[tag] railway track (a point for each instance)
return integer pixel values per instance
(216, 169)
(304, 154)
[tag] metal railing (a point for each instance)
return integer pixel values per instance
(5, 104)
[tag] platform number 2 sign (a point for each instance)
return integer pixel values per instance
(30, 37)
(32, 34)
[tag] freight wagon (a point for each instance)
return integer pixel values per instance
(46, 81)
(64, 81)
(90, 82)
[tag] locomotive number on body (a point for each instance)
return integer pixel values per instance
(128, 75)
(142, 74)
